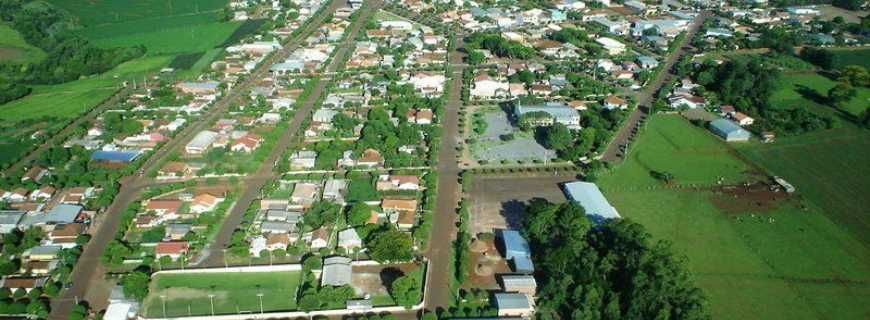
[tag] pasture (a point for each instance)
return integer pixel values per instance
(828, 167)
(14, 48)
(188, 294)
(848, 56)
(71, 99)
(810, 90)
(170, 28)
(789, 260)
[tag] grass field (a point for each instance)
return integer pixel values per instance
(192, 38)
(810, 89)
(14, 48)
(234, 293)
(787, 262)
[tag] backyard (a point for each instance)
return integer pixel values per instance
(188, 294)
(781, 258)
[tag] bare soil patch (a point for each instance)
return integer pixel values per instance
(485, 266)
(759, 197)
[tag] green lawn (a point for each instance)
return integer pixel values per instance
(790, 262)
(810, 89)
(234, 292)
(14, 48)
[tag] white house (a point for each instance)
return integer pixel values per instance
(488, 88)
(427, 83)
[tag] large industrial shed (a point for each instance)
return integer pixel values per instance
(728, 130)
(588, 196)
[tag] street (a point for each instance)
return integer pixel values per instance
(444, 219)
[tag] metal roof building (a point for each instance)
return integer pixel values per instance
(729, 130)
(588, 196)
(201, 141)
(336, 271)
(115, 156)
(517, 250)
(513, 304)
(9, 220)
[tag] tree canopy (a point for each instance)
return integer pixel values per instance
(610, 271)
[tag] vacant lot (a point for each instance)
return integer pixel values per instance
(782, 260)
(233, 293)
(489, 146)
(499, 202)
(810, 90)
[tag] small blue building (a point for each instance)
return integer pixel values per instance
(516, 248)
(729, 130)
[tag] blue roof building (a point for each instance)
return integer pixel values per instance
(588, 196)
(114, 156)
(729, 130)
(516, 248)
(560, 112)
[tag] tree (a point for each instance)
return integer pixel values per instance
(359, 214)
(136, 285)
(558, 137)
(476, 57)
(391, 246)
(406, 290)
(855, 75)
(841, 93)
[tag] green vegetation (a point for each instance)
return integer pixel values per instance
(791, 250)
(850, 56)
(233, 292)
(92, 13)
(193, 38)
(613, 271)
(810, 90)
(499, 46)
(13, 47)
(407, 290)
(828, 167)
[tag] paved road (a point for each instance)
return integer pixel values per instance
(645, 97)
(62, 135)
(444, 219)
(88, 271)
(266, 170)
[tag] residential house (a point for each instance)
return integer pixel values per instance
(42, 194)
(349, 239)
(742, 119)
(171, 249)
(319, 238)
(166, 209)
(305, 193)
(397, 182)
(25, 283)
(204, 202)
(42, 253)
(614, 102)
(247, 143)
(303, 159)
(486, 87)
(612, 47)
(177, 231)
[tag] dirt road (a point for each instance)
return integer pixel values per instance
(444, 219)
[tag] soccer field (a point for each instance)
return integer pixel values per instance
(786, 260)
(188, 294)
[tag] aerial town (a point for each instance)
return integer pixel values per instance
(445, 159)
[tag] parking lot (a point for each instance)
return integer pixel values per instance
(499, 202)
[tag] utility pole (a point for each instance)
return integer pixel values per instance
(211, 299)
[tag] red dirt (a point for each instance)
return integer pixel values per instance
(492, 258)
(745, 199)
